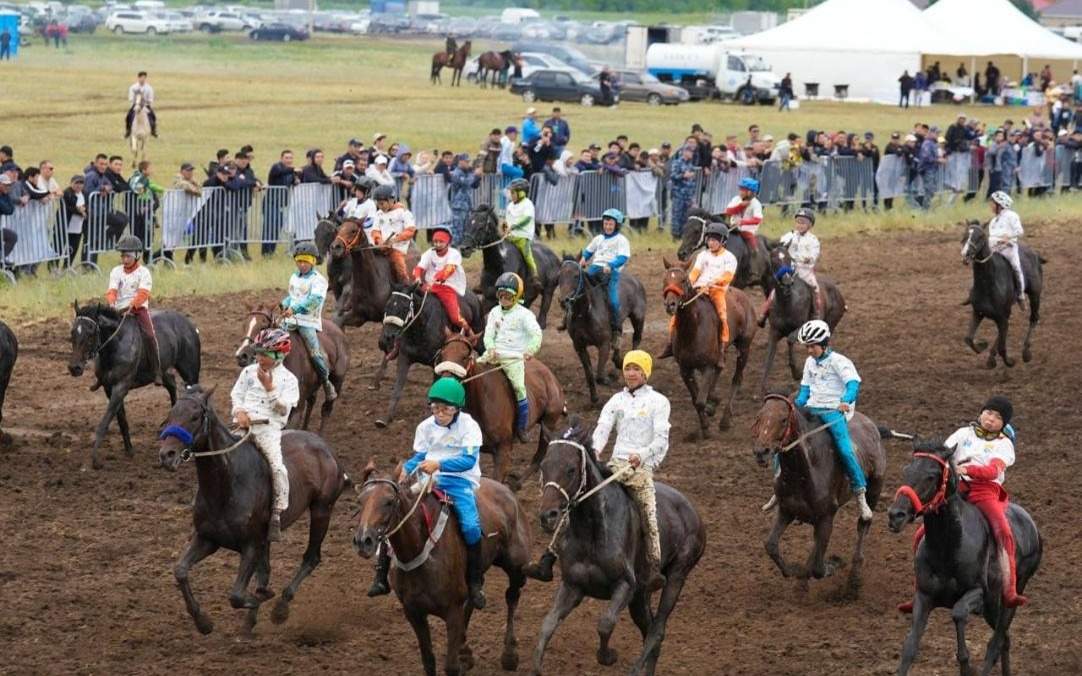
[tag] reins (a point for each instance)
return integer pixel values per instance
(398, 491)
(411, 316)
(97, 326)
(186, 438)
(789, 425)
(580, 497)
(940, 497)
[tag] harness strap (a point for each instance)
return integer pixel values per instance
(911, 495)
(430, 544)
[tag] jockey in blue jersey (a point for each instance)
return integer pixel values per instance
(608, 253)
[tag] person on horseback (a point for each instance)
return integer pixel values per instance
(447, 446)
(262, 398)
(746, 213)
(803, 248)
(1003, 232)
(608, 253)
(392, 229)
(129, 290)
(519, 227)
(440, 271)
(141, 87)
(302, 310)
(512, 337)
(360, 206)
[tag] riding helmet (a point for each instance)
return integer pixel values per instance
(815, 332)
(509, 281)
(804, 212)
(447, 391)
(306, 252)
(749, 183)
(363, 183)
(274, 341)
(1002, 199)
(383, 192)
(1001, 405)
(717, 231)
(441, 232)
(614, 214)
(519, 184)
(129, 244)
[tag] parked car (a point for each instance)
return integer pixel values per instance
(388, 24)
(531, 62)
(360, 26)
(136, 22)
(642, 86)
(280, 32)
(215, 21)
(557, 85)
(178, 23)
(569, 55)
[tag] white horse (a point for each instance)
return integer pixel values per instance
(140, 131)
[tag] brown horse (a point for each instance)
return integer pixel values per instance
(333, 342)
(456, 62)
(496, 64)
(491, 402)
(810, 483)
(432, 581)
(695, 342)
(371, 275)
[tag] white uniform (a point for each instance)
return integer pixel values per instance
(827, 378)
(512, 332)
(393, 222)
(440, 443)
(1003, 233)
(712, 269)
(517, 211)
(606, 249)
(147, 90)
(432, 263)
(301, 289)
(642, 426)
(128, 283)
(968, 447)
(362, 212)
(753, 210)
(804, 252)
(273, 405)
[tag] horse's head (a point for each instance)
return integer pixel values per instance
(927, 482)
(564, 472)
(259, 317)
(570, 282)
(397, 315)
(324, 234)
(974, 242)
(456, 356)
(775, 426)
(482, 228)
(781, 267)
(379, 510)
(86, 334)
(676, 286)
(187, 427)
(694, 233)
(349, 235)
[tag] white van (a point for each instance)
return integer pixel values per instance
(149, 5)
(518, 15)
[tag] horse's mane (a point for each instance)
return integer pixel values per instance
(935, 445)
(99, 310)
(568, 257)
(580, 434)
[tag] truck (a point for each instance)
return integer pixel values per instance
(714, 72)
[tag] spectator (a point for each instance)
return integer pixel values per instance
(446, 165)
(280, 179)
(5, 48)
(425, 163)
(928, 163)
(115, 174)
(682, 182)
(507, 154)
(147, 198)
(313, 171)
(46, 181)
(345, 177)
(1062, 115)
(1046, 77)
(531, 128)
(6, 155)
(604, 80)
(464, 180)
(906, 83)
(961, 76)
(400, 166)
(184, 180)
(991, 79)
(543, 151)
(489, 156)
(377, 149)
(378, 172)
(565, 164)
(612, 166)
(75, 208)
(95, 174)
(17, 190)
(245, 183)
(561, 131)
(586, 162)
(8, 238)
(220, 157)
(354, 151)
(920, 85)
(30, 185)
(785, 92)
(958, 136)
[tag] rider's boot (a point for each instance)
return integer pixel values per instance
(542, 570)
(866, 513)
(155, 359)
(655, 580)
(522, 420)
(380, 585)
(1011, 597)
(667, 352)
(562, 326)
(475, 575)
(329, 393)
(721, 355)
(274, 528)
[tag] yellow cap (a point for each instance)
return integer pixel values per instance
(641, 359)
(305, 258)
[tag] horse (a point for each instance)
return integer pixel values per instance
(232, 506)
(9, 353)
(496, 64)
(140, 131)
(121, 362)
(957, 561)
(458, 63)
(491, 402)
(694, 239)
(500, 256)
(695, 343)
(810, 483)
(414, 330)
(602, 552)
(371, 275)
(339, 270)
(429, 571)
(587, 308)
(299, 363)
(994, 292)
(794, 303)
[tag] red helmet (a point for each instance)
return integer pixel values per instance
(274, 340)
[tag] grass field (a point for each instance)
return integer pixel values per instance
(226, 91)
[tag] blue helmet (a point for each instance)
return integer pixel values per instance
(614, 214)
(749, 183)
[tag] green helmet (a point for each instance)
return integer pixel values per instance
(129, 243)
(447, 391)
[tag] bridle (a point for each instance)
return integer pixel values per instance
(972, 256)
(702, 231)
(350, 244)
(96, 332)
(682, 290)
(380, 535)
(791, 426)
(188, 439)
(581, 494)
(411, 315)
(452, 367)
(938, 499)
(581, 287)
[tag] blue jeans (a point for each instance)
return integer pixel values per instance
(844, 446)
(461, 491)
(311, 338)
(594, 272)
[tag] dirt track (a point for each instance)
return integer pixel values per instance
(86, 563)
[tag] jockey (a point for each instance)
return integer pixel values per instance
(746, 212)
(519, 226)
(440, 271)
(303, 310)
(446, 446)
(392, 229)
(129, 290)
(512, 337)
(360, 207)
(141, 86)
(608, 252)
(1003, 232)
(262, 398)
(803, 248)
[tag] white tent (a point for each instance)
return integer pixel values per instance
(985, 27)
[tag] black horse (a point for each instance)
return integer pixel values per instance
(414, 331)
(233, 502)
(587, 308)
(957, 562)
(995, 290)
(694, 239)
(121, 363)
(339, 268)
(602, 550)
(483, 232)
(9, 352)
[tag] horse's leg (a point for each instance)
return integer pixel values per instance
(1002, 325)
(922, 608)
(639, 607)
(970, 602)
(419, 622)
(1027, 353)
(651, 649)
(262, 575)
(125, 431)
(115, 395)
(818, 566)
(381, 371)
(999, 645)
(771, 350)
(539, 454)
(515, 582)
(327, 408)
(858, 553)
(501, 465)
(794, 370)
(781, 521)
(588, 370)
(319, 519)
(743, 352)
(713, 374)
(309, 406)
(618, 601)
(688, 375)
(603, 352)
(456, 637)
(239, 597)
(567, 599)
(198, 549)
(403, 369)
(971, 333)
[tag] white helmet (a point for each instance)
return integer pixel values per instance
(1002, 199)
(813, 333)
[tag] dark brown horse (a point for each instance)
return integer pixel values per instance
(233, 501)
(695, 342)
(371, 275)
(456, 62)
(299, 363)
(810, 483)
(429, 566)
(495, 64)
(491, 402)
(9, 352)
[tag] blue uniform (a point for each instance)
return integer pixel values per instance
(457, 448)
(829, 381)
(683, 193)
(611, 251)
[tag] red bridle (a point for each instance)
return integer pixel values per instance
(940, 497)
(790, 421)
(349, 244)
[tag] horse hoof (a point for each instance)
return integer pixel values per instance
(710, 410)
(465, 658)
(606, 657)
(509, 662)
(979, 346)
(5, 440)
(1027, 356)
(1008, 362)
(513, 482)
(97, 464)
(725, 424)
(264, 594)
(381, 423)
(203, 624)
(990, 363)
(281, 612)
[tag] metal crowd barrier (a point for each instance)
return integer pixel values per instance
(598, 191)
(308, 202)
(1036, 169)
(429, 200)
(41, 231)
(554, 203)
(720, 187)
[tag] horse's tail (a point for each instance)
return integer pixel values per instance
(887, 433)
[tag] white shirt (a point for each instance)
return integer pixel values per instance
(433, 263)
(512, 332)
(48, 185)
(803, 249)
(128, 283)
(642, 426)
(827, 378)
(392, 223)
(303, 286)
(606, 249)
(517, 211)
(507, 151)
(148, 93)
(440, 443)
(362, 212)
(753, 210)
(382, 177)
(970, 448)
(1005, 228)
(250, 396)
(713, 268)
(75, 220)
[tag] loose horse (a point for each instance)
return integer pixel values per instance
(371, 275)
(299, 363)
(496, 64)
(995, 290)
(588, 325)
(233, 501)
(339, 269)
(602, 553)
(957, 561)
(811, 484)
(9, 352)
(794, 303)
(414, 330)
(694, 239)
(121, 362)
(491, 402)
(429, 566)
(140, 131)
(483, 232)
(695, 343)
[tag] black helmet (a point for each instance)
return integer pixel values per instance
(383, 192)
(718, 230)
(1001, 405)
(519, 184)
(364, 183)
(305, 249)
(804, 212)
(129, 244)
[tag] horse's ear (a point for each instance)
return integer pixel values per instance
(687, 264)
(75, 306)
(448, 334)
(368, 470)
(665, 261)
(475, 339)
